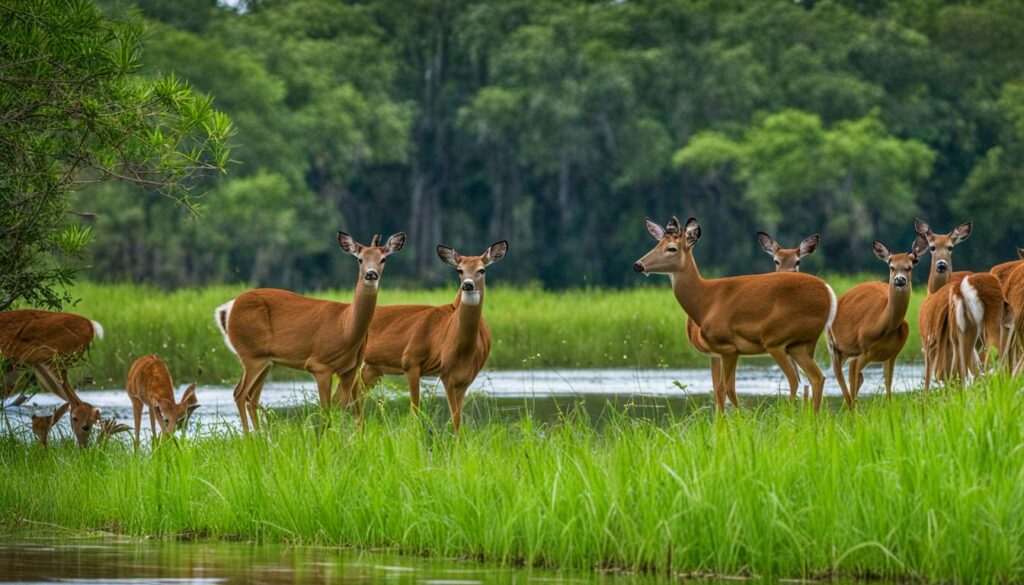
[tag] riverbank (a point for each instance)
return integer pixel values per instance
(925, 486)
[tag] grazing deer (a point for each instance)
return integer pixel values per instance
(1003, 271)
(962, 309)
(49, 343)
(786, 260)
(41, 424)
(451, 342)
(870, 326)
(149, 384)
(264, 327)
(782, 314)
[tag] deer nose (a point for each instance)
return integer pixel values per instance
(468, 286)
(900, 281)
(638, 267)
(86, 428)
(941, 266)
(372, 274)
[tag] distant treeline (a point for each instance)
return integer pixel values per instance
(559, 125)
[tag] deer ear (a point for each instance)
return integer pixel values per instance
(60, 412)
(190, 394)
(961, 232)
(768, 243)
(448, 255)
(692, 230)
(918, 248)
(880, 250)
(347, 243)
(96, 415)
(395, 243)
(921, 227)
(496, 252)
(657, 232)
(809, 245)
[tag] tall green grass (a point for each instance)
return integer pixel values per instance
(927, 486)
(584, 328)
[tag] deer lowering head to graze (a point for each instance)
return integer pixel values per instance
(266, 326)
(149, 385)
(962, 311)
(41, 424)
(786, 260)
(451, 342)
(782, 314)
(49, 343)
(870, 326)
(1003, 271)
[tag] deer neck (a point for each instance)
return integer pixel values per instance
(896, 308)
(936, 280)
(691, 290)
(467, 321)
(357, 319)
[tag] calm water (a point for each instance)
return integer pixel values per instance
(64, 560)
(544, 394)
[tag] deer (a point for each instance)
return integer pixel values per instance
(870, 324)
(962, 309)
(786, 260)
(449, 341)
(48, 343)
(1003, 271)
(782, 314)
(1013, 290)
(41, 424)
(149, 385)
(266, 327)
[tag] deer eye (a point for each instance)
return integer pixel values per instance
(383, 260)
(481, 271)
(950, 248)
(360, 260)
(932, 247)
(777, 262)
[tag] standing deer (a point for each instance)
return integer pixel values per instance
(451, 342)
(1013, 290)
(782, 314)
(264, 327)
(870, 326)
(786, 260)
(962, 309)
(149, 385)
(1003, 271)
(49, 343)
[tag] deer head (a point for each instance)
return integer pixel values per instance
(170, 414)
(471, 269)
(900, 265)
(788, 259)
(674, 247)
(941, 245)
(371, 258)
(41, 425)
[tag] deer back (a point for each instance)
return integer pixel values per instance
(149, 380)
(31, 336)
(1004, 270)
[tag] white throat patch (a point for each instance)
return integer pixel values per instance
(471, 299)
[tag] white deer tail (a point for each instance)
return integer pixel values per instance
(833, 304)
(97, 329)
(221, 316)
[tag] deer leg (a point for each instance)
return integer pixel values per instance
(728, 372)
(927, 368)
(152, 420)
(455, 395)
(350, 380)
(890, 366)
(48, 381)
(252, 397)
(137, 412)
(412, 375)
(838, 361)
(804, 356)
(857, 366)
(778, 353)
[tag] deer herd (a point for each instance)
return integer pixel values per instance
(966, 323)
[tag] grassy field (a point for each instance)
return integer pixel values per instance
(925, 487)
(531, 328)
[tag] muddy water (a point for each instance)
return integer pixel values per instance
(544, 394)
(63, 560)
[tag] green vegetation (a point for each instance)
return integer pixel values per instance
(924, 486)
(531, 328)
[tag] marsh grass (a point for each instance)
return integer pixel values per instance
(585, 328)
(924, 486)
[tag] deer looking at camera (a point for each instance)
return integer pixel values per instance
(870, 324)
(786, 260)
(264, 327)
(149, 385)
(961, 311)
(782, 314)
(48, 344)
(451, 342)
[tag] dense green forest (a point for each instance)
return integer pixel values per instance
(559, 125)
